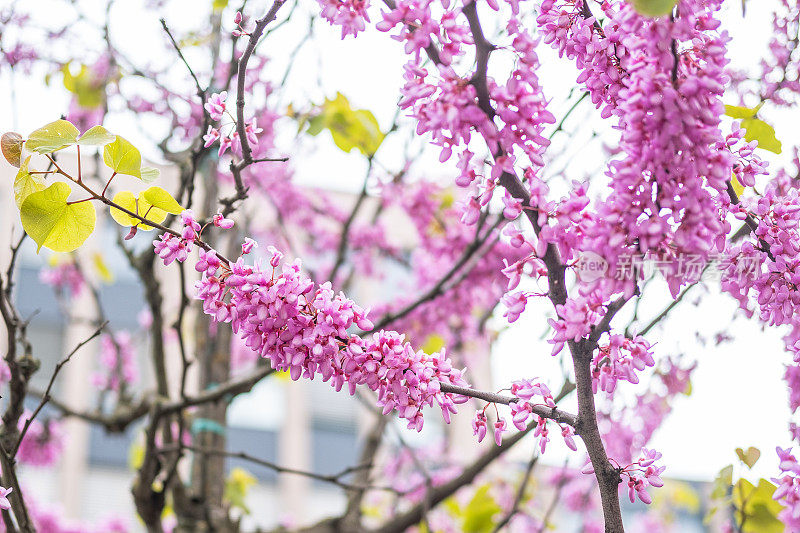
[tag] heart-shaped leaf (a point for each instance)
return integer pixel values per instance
(749, 456)
(52, 137)
(140, 206)
(11, 145)
(96, 136)
(160, 198)
(26, 183)
(123, 158)
(51, 222)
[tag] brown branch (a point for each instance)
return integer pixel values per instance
(552, 413)
(247, 155)
(519, 496)
(200, 91)
(446, 281)
(334, 479)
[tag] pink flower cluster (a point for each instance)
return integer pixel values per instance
(673, 172)
(522, 412)
(351, 15)
(779, 79)
(42, 444)
(640, 474)
(64, 276)
(216, 108)
(171, 248)
(788, 489)
(620, 359)
(303, 328)
(597, 51)
(117, 362)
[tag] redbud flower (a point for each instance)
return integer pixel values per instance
(216, 105)
(248, 245)
(567, 432)
(4, 503)
(224, 144)
(221, 222)
(210, 137)
(499, 429)
(479, 425)
(515, 305)
(252, 131)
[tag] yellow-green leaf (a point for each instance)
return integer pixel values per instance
(738, 188)
(89, 91)
(433, 344)
(349, 128)
(11, 146)
(140, 206)
(480, 511)
(126, 200)
(101, 267)
(161, 199)
(123, 158)
(756, 506)
(219, 5)
(758, 130)
(26, 183)
(52, 137)
(237, 486)
(149, 174)
(135, 455)
(739, 112)
(749, 457)
(51, 222)
(96, 136)
(654, 8)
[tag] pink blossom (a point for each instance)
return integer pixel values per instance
(216, 105)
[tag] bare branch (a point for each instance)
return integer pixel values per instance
(46, 395)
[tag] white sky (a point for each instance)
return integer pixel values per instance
(739, 398)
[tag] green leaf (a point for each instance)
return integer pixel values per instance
(52, 137)
(135, 455)
(51, 222)
(161, 199)
(101, 267)
(140, 206)
(739, 112)
(237, 486)
(722, 483)
(96, 136)
(749, 457)
(127, 200)
(654, 8)
(123, 157)
(738, 188)
(88, 89)
(11, 146)
(758, 130)
(150, 174)
(478, 513)
(720, 492)
(219, 5)
(755, 128)
(349, 128)
(433, 344)
(756, 508)
(26, 183)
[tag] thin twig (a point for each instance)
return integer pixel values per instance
(46, 395)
